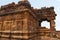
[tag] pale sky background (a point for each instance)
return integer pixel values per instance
(39, 4)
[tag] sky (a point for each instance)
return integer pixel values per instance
(41, 3)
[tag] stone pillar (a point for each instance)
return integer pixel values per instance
(40, 23)
(52, 25)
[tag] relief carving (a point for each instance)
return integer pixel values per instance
(7, 25)
(19, 25)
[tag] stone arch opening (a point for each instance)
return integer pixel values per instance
(45, 24)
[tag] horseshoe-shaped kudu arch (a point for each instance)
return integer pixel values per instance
(23, 22)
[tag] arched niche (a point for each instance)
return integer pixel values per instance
(50, 23)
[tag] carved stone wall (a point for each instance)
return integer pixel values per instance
(23, 22)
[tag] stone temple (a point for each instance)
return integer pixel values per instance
(23, 22)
